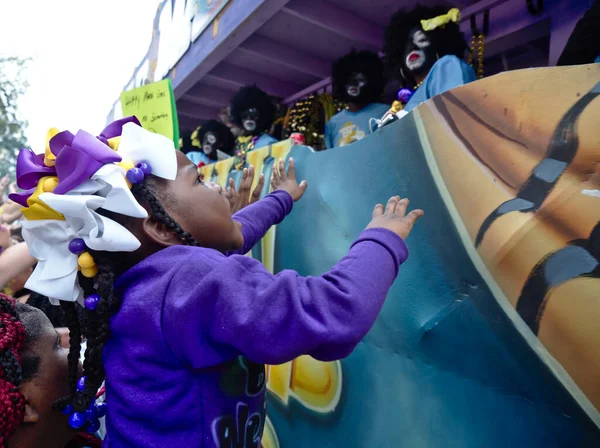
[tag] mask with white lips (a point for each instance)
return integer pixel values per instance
(209, 142)
(355, 85)
(250, 119)
(419, 53)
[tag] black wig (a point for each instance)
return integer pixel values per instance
(185, 143)
(252, 97)
(447, 40)
(366, 62)
(223, 134)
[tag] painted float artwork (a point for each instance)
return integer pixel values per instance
(490, 337)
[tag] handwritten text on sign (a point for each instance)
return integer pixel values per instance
(152, 104)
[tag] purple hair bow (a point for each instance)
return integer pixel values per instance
(78, 157)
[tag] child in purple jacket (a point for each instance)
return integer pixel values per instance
(180, 322)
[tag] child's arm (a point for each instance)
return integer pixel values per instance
(257, 218)
(240, 308)
(13, 261)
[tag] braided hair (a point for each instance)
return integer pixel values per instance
(12, 338)
(20, 326)
(97, 321)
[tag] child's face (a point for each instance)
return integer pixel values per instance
(200, 208)
(50, 383)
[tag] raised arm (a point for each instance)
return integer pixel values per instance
(240, 308)
(13, 261)
(257, 218)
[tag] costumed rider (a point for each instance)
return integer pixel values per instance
(211, 142)
(424, 48)
(359, 81)
(253, 110)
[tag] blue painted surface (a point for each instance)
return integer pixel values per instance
(443, 366)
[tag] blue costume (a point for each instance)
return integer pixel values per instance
(199, 157)
(447, 73)
(348, 127)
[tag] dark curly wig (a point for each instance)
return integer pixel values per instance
(223, 134)
(447, 40)
(252, 97)
(366, 62)
(185, 143)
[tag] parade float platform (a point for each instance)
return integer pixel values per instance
(490, 335)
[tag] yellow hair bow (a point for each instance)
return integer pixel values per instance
(49, 158)
(440, 21)
(114, 143)
(38, 209)
(194, 137)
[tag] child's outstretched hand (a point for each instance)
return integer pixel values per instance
(393, 217)
(280, 180)
(240, 197)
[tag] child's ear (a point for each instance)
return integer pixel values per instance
(160, 233)
(31, 415)
(31, 394)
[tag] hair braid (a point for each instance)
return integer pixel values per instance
(12, 338)
(83, 440)
(74, 341)
(97, 331)
(141, 191)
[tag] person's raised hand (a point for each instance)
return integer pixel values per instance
(393, 217)
(5, 237)
(11, 211)
(280, 180)
(240, 197)
(4, 181)
(12, 188)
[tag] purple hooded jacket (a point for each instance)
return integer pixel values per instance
(185, 359)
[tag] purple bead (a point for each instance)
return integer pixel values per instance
(404, 95)
(93, 426)
(101, 410)
(135, 175)
(77, 246)
(77, 420)
(145, 167)
(91, 302)
(91, 413)
(67, 410)
(81, 384)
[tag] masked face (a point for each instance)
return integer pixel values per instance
(209, 143)
(355, 85)
(419, 54)
(250, 119)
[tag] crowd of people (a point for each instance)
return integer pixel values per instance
(423, 50)
(126, 291)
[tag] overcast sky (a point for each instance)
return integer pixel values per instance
(81, 57)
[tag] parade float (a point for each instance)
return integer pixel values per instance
(490, 336)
